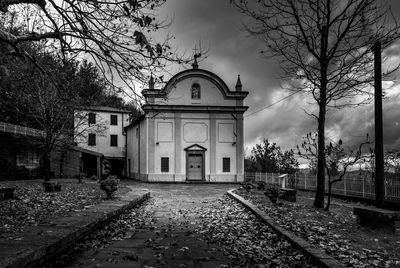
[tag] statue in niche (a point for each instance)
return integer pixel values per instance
(195, 91)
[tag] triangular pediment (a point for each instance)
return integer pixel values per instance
(195, 147)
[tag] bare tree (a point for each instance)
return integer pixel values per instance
(54, 113)
(324, 49)
(337, 159)
(116, 35)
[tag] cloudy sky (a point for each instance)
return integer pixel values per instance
(232, 51)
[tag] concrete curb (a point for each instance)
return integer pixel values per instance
(45, 242)
(318, 256)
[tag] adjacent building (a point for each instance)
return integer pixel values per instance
(191, 130)
(100, 131)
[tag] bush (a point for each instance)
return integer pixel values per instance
(261, 185)
(109, 185)
(271, 189)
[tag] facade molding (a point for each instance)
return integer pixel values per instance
(192, 73)
(193, 109)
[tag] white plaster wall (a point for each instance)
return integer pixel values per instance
(143, 146)
(180, 94)
(164, 144)
(103, 130)
(190, 134)
(226, 145)
(132, 152)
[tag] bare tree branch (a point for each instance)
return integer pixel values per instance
(324, 48)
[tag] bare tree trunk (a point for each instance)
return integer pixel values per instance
(320, 191)
(379, 163)
(62, 158)
(322, 102)
(46, 166)
(328, 203)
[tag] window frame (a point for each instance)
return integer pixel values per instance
(226, 164)
(164, 164)
(111, 140)
(115, 116)
(93, 143)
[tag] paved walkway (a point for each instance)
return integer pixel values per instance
(166, 238)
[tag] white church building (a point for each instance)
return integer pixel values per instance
(191, 130)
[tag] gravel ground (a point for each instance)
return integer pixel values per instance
(183, 230)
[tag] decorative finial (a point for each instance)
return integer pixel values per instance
(151, 82)
(195, 65)
(238, 86)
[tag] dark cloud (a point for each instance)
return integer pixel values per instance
(232, 51)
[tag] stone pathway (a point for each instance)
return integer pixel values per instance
(162, 232)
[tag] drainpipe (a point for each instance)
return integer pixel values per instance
(126, 147)
(138, 149)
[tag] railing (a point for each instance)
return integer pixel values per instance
(358, 185)
(273, 178)
(15, 129)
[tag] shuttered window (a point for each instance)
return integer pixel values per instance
(226, 164)
(92, 139)
(164, 164)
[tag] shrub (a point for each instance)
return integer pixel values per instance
(109, 185)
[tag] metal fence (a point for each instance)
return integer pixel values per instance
(16, 129)
(353, 184)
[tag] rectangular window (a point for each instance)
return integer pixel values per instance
(92, 139)
(92, 118)
(226, 164)
(114, 140)
(164, 164)
(114, 120)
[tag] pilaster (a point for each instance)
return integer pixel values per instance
(213, 144)
(151, 144)
(178, 143)
(239, 144)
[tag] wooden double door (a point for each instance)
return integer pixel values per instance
(195, 165)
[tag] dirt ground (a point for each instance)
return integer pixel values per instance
(33, 206)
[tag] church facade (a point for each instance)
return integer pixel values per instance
(192, 130)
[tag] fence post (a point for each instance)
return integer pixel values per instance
(305, 181)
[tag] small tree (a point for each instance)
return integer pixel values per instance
(337, 160)
(392, 161)
(268, 157)
(54, 114)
